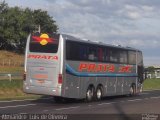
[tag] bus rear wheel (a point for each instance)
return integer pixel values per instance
(89, 94)
(99, 93)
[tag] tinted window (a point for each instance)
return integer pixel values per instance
(73, 51)
(139, 58)
(44, 43)
(132, 57)
(101, 54)
(123, 56)
(90, 52)
(93, 53)
(81, 51)
(114, 55)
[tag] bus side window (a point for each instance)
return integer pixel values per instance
(114, 55)
(139, 58)
(106, 55)
(100, 54)
(72, 51)
(132, 57)
(68, 53)
(92, 53)
(83, 52)
(123, 57)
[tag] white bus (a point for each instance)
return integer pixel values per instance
(64, 66)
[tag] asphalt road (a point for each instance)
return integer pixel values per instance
(147, 102)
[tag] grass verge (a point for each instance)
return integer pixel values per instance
(151, 84)
(11, 69)
(13, 90)
(11, 62)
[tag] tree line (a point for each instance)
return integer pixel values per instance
(16, 23)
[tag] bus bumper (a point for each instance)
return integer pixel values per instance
(41, 90)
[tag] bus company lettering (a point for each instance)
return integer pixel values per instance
(125, 68)
(47, 57)
(92, 67)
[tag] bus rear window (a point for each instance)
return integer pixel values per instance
(44, 43)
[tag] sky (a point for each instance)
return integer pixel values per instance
(133, 23)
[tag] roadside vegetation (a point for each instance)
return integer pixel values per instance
(13, 90)
(7, 69)
(16, 23)
(11, 62)
(151, 84)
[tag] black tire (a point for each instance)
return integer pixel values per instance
(133, 90)
(99, 93)
(58, 99)
(89, 94)
(141, 89)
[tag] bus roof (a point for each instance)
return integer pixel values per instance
(72, 38)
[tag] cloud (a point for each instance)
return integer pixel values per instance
(74, 12)
(125, 22)
(154, 60)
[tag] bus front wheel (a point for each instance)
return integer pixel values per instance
(133, 90)
(89, 94)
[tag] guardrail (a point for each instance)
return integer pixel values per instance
(10, 75)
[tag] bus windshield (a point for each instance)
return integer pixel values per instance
(44, 43)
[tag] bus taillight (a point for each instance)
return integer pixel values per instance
(60, 79)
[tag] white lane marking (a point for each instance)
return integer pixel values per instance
(22, 113)
(143, 93)
(67, 108)
(155, 97)
(146, 98)
(134, 100)
(45, 110)
(16, 100)
(89, 105)
(25, 100)
(122, 101)
(107, 103)
(17, 106)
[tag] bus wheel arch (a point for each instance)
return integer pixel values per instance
(90, 93)
(99, 92)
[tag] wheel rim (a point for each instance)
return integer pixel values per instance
(131, 90)
(141, 89)
(89, 95)
(99, 94)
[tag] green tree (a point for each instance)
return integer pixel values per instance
(16, 24)
(46, 22)
(150, 69)
(12, 25)
(3, 10)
